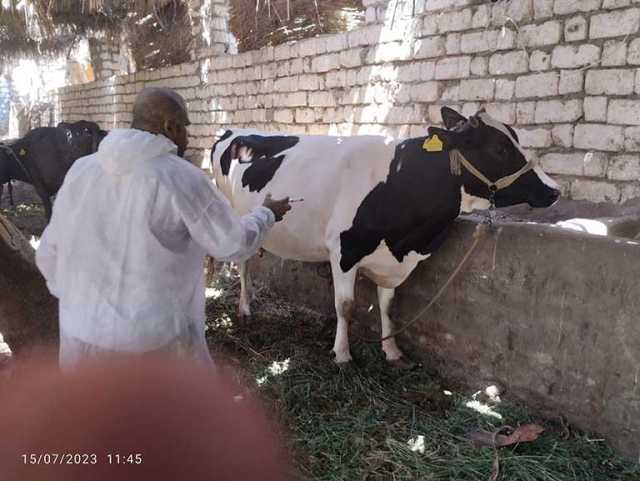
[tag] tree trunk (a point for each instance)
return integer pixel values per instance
(28, 312)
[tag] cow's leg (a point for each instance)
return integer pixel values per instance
(389, 346)
(1, 190)
(244, 307)
(44, 196)
(10, 188)
(343, 286)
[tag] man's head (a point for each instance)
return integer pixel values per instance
(162, 111)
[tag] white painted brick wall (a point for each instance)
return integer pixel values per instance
(567, 78)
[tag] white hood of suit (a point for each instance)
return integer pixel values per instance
(122, 148)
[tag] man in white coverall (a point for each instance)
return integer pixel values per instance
(125, 248)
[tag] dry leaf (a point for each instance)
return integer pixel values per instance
(522, 434)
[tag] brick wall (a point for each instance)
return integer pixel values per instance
(566, 73)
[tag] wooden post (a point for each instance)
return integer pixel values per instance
(28, 312)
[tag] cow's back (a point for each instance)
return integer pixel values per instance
(332, 174)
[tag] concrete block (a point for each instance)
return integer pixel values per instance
(575, 29)
(616, 3)
(614, 53)
(325, 63)
(629, 191)
(535, 138)
(591, 164)
(634, 52)
(455, 21)
(336, 79)
(352, 58)
(337, 42)
(429, 47)
(429, 25)
(598, 137)
(481, 17)
(509, 63)
(562, 135)
(632, 139)
(563, 7)
(453, 68)
(542, 9)
(571, 81)
(624, 167)
(452, 44)
(548, 33)
(321, 99)
(569, 56)
(424, 92)
(558, 111)
(537, 85)
(595, 191)
(505, 89)
(595, 109)
(480, 89)
(615, 24)
(504, 112)
(610, 82)
(539, 61)
(520, 12)
(305, 116)
(284, 116)
(525, 112)
(479, 66)
(427, 70)
(487, 40)
(624, 112)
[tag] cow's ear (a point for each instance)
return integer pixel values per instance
(451, 118)
(449, 138)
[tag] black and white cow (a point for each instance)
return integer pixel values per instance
(372, 204)
(45, 154)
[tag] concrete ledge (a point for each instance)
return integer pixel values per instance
(552, 315)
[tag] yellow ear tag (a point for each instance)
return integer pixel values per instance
(433, 144)
(23, 152)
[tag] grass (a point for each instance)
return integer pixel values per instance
(370, 421)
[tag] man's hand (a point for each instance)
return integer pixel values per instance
(278, 207)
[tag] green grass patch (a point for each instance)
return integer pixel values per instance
(370, 421)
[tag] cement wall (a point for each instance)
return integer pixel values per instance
(565, 72)
(550, 314)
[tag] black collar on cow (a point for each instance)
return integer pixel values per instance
(16, 159)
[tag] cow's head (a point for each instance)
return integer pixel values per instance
(493, 149)
(84, 135)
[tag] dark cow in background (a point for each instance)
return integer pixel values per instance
(43, 156)
(372, 204)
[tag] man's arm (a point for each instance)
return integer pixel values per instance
(229, 237)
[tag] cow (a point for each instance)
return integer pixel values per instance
(45, 154)
(374, 205)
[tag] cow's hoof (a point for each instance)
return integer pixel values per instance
(341, 358)
(403, 363)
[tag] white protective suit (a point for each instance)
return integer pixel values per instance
(124, 251)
